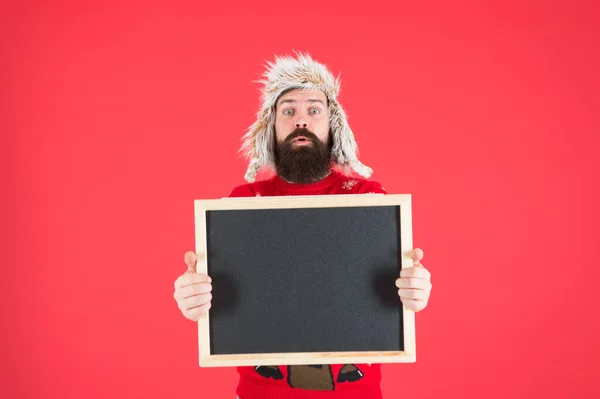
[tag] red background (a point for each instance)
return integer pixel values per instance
(115, 116)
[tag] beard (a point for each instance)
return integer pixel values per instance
(304, 164)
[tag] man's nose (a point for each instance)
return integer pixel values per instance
(301, 123)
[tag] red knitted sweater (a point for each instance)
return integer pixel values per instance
(337, 381)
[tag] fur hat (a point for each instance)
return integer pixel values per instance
(284, 74)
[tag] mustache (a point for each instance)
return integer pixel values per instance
(301, 131)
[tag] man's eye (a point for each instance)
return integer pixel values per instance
(314, 111)
(287, 112)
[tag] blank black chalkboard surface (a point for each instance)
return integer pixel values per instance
(305, 279)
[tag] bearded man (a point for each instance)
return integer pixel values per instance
(302, 133)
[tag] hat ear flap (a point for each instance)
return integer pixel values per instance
(344, 146)
(266, 142)
(345, 149)
(258, 144)
(252, 170)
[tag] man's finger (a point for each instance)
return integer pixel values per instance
(193, 290)
(197, 312)
(417, 295)
(414, 304)
(189, 278)
(195, 301)
(190, 260)
(414, 283)
(416, 272)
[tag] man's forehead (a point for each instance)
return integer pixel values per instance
(300, 95)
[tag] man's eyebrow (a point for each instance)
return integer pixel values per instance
(310, 100)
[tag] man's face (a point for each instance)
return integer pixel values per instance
(302, 148)
(302, 108)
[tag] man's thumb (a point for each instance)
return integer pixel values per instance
(417, 255)
(190, 261)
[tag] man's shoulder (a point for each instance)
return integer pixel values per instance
(251, 189)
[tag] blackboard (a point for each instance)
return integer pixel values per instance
(305, 279)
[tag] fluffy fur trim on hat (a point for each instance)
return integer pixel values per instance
(286, 73)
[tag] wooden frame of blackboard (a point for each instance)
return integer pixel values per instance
(402, 201)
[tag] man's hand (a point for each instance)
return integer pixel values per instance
(193, 290)
(414, 284)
